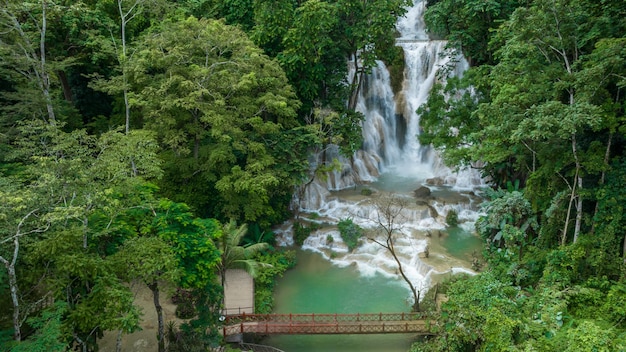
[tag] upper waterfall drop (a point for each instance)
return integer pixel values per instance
(411, 26)
(391, 125)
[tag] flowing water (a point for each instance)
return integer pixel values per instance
(391, 163)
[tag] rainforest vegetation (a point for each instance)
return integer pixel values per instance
(541, 113)
(155, 143)
(151, 141)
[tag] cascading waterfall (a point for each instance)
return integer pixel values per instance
(392, 161)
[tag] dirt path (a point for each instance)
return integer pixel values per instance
(144, 340)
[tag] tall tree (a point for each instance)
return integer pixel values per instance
(219, 106)
(23, 38)
(20, 218)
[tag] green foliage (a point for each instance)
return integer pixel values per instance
(350, 232)
(278, 262)
(234, 255)
(223, 111)
(452, 218)
(48, 334)
(301, 232)
(469, 24)
(192, 239)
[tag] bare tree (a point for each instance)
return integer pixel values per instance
(389, 219)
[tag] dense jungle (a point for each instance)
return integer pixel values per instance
(157, 143)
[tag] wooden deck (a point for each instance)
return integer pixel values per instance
(378, 323)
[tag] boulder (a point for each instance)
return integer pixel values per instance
(435, 181)
(422, 192)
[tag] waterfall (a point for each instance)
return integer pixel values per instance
(392, 160)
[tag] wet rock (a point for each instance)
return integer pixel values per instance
(433, 212)
(435, 181)
(424, 254)
(422, 192)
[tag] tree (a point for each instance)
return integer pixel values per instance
(469, 25)
(191, 237)
(18, 214)
(389, 219)
(70, 179)
(535, 115)
(152, 261)
(193, 240)
(219, 107)
(234, 255)
(23, 38)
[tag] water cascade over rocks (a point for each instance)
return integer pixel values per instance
(392, 161)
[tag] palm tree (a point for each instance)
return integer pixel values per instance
(236, 256)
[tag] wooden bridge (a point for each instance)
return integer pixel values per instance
(377, 323)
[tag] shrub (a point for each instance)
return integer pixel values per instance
(350, 233)
(366, 192)
(452, 218)
(302, 232)
(184, 301)
(265, 281)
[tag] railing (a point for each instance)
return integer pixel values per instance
(236, 311)
(379, 323)
(323, 318)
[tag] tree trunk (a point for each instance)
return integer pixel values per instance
(123, 19)
(154, 287)
(356, 84)
(579, 183)
(17, 334)
(65, 85)
(118, 343)
(416, 305)
(579, 211)
(42, 59)
(569, 211)
(607, 154)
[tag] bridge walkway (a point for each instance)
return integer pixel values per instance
(376, 323)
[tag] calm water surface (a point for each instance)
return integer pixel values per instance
(316, 286)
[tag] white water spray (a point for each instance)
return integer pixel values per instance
(393, 161)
